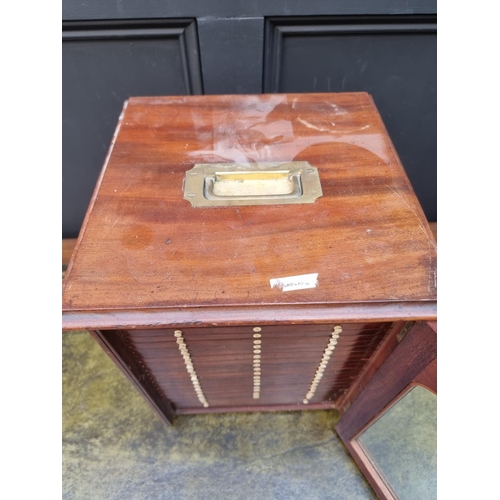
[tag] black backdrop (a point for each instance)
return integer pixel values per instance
(116, 49)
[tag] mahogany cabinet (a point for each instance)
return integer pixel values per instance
(249, 253)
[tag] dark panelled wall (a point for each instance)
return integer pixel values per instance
(114, 50)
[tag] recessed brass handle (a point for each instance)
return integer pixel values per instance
(273, 184)
(261, 183)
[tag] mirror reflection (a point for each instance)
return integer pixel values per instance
(402, 442)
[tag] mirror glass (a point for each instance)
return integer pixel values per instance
(401, 445)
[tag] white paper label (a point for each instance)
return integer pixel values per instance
(295, 282)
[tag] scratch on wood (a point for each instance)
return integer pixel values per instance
(129, 184)
(310, 125)
(337, 109)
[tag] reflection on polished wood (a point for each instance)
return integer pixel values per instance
(367, 236)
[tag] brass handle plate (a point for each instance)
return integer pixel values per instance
(262, 183)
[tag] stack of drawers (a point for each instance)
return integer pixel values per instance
(243, 367)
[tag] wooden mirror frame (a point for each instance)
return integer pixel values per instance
(413, 362)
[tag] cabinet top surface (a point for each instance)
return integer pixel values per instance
(143, 247)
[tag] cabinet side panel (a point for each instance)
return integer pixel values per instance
(117, 346)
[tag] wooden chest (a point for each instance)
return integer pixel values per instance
(251, 252)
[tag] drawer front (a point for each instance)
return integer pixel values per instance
(255, 366)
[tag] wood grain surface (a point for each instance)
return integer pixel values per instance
(68, 244)
(144, 252)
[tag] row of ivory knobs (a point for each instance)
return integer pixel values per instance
(257, 350)
(189, 367)
(323, 364)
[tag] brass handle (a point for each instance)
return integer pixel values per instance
(252, 184)
(277, 184)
